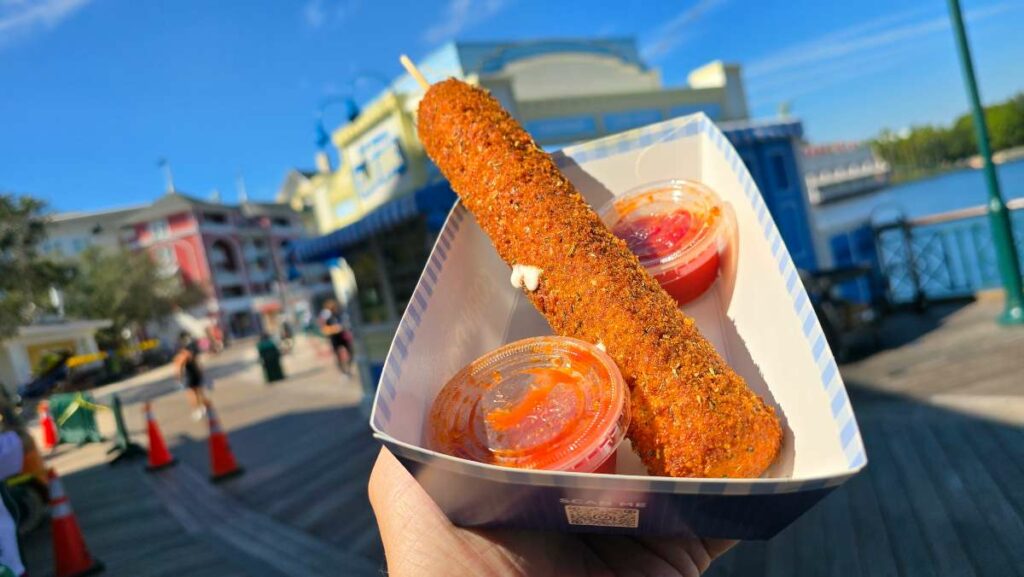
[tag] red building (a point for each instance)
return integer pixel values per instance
(236, 253)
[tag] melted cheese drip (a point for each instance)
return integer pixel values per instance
(526, 276)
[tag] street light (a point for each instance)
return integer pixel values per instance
(348, 100)
(999, 217)
(352, 112)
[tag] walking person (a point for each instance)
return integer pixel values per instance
(333, 326)
(12, 453)
(287, 336)
(216, 338)
(190, 375)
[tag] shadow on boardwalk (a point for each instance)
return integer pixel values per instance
(943, 494)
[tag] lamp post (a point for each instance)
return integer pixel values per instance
(166, 165)
(999, 217)
(352, 111)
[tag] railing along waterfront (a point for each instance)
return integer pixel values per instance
(942, 256)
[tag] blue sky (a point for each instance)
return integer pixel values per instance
(93, 92)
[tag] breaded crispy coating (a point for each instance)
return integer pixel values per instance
(693, 416)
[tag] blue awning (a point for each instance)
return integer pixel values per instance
(745, 132)
(433, 201)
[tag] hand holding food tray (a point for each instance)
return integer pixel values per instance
(739, 421)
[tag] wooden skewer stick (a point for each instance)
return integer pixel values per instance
(413, 71)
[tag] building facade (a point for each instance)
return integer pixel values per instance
(379, 209)
(565, 91)
(236, 252)
(70, 233)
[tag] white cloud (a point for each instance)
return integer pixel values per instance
(866, 37)
(314, 14)
(792, 84)
(24, 16)
(459, 15)
(851, 54)
(667, 38)
(317, 13)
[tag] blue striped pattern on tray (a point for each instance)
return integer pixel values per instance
(687, 127)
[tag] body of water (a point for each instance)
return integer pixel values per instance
(950, 191)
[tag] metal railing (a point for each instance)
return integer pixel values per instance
(942, 256)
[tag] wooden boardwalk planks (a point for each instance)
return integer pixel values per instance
(870, 533)
(126, 527)
(287, 550)
(943, 493)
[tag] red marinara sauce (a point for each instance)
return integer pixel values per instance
(678, 230)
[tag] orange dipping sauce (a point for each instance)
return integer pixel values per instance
(542, 403)
(677, 229)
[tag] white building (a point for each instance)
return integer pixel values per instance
(69, 233)
(842, 170)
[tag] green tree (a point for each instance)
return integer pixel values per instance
(925, 147)
(25, 276)
(127, 288)
(964, 139)
(1006, 125)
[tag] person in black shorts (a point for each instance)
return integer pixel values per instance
(332, 326)
(190, 375)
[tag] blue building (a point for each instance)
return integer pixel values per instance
(770, 149)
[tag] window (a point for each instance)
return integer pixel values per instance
(370, 293)
(347, 208)
(165, 259)
(405, 249)
(223, 257)
(215, 218)
(78, 245)
(282, 222)
(779, 171)
(159, 229)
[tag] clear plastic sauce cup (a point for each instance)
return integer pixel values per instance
(677, 228)
(541, 403)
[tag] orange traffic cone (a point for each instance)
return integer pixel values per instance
(159, 456)
(222, 461)
(71, 557)
(48, 426)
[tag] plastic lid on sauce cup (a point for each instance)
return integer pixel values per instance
(541, 403)
(676, 228)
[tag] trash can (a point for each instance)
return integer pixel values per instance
(270, 358)
(75, 415)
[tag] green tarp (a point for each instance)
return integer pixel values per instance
(75, 415)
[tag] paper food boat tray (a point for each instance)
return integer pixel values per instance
(758, 317)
